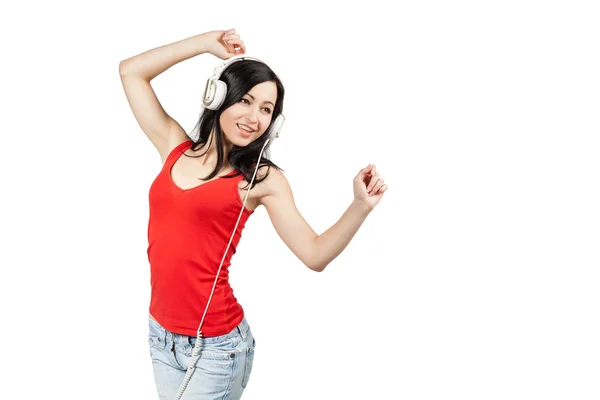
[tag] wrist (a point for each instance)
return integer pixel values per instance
(361, 208)
(201, 41)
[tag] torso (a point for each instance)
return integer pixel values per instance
(185, 172)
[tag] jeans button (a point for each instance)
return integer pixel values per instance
(232, 355)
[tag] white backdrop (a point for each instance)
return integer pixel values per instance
(476, 277)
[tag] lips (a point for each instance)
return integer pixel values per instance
(244, 132)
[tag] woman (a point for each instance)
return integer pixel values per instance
(196, 204)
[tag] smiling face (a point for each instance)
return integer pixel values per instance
(247, 120)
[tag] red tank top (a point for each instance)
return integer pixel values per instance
(188, 231)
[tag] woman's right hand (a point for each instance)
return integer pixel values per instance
(224, 44)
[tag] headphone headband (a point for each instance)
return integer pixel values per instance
(220, 68)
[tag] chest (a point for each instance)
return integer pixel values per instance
(187, 176)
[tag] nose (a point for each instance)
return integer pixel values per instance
(251, 115)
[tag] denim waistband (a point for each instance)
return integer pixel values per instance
(241, 329)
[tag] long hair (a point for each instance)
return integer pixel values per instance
(240, 78)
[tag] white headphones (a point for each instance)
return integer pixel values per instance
(215, 91)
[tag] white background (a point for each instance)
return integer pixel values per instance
(476, 277)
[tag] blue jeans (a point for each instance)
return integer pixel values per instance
(222, 371)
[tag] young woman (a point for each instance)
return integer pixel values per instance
(197, 215)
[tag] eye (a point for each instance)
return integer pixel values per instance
(244, 101)
(267, 109)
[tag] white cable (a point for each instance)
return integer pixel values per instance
(196, 350)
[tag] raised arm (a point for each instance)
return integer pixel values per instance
(317, 251)
(137, 72)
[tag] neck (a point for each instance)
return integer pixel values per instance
(211, 156)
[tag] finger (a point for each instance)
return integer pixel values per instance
(361, 173)
(230, 45)
(373, 182)
(365, 170)
(241, 49)
(382, 189)
(231, 37)
(376, 187)
(228, 33)
(237, 47)
(227, 45)
(235, 43)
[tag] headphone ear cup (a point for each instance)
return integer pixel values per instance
(215, 98)
(276, 126)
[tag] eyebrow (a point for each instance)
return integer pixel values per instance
(265, 101)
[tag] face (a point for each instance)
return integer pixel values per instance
(248, 119)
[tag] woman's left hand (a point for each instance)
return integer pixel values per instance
(369, 187)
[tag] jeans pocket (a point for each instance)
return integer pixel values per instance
(215, 348)
(249, 362)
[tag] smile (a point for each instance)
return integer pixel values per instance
(244, 130)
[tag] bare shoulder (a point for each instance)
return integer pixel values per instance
(175, 137)
(275, 185)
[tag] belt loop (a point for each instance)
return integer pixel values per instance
(164, 339)
(241, 330)
(162, 336)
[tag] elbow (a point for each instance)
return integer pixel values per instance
(123, 68)
(316, 267)
(127, 68)
(315, 262)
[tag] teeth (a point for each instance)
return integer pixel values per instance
(244, 127)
